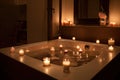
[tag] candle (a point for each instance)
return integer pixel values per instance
(12, 49)
(66, 22)
(66, 65)
(66, 62)
(80, 50)
(97, 41)
(111, 41)
(59, 37)
(73, 38)
(60, 45)
(111, 48)
(21, 52)
(78, 47)
(52, 49)
(65, 51)
(112, 23)
(46, 61)
(27, 50)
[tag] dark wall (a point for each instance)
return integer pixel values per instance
(91, 33)
(11, 16)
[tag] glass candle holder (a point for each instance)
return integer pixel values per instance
(21, 52)
(66, 65)
(97, 41)
(12, 50)
(111, 42)
(73, 38)
(110, 48)
(46, 61)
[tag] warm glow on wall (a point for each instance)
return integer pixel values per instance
(114, 13)
(114, 21)
(66, 22)
(67, 11)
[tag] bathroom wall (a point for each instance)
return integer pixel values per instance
(36, 20)
(114, 11)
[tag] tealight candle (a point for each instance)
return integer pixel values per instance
(52, 49)
(113, 23)
(65, 51)
(97, 41)
(59, 37)
(80, 50)
(60, 45)
(111, 41)
(21, 52)
(73, 38)
(78, 47)
(12, 49)
(46, 61)
(111, 48)
(66, 62)
(66, 65)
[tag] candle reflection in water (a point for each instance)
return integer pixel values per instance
(47, 70)
(52, 52)
(110, 55)
(21, 58)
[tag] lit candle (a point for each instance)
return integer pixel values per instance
(61, 46)
(73, 38)
(66, 62)
(52, 49)
(66, 22)
(113, 23)
(59, 37)
(12, 49)
(66, 65)
(65, 51)
(97, 41)
(111, 41)
(21, 52)
(46, 61)
(111, 48)
(27, 50)
(78, 47)
(80, 50)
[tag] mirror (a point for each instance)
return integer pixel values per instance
(86, 12)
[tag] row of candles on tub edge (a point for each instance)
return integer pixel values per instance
(111, 42)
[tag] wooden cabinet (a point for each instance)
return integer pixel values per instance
(91, 33)
(20, 2)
